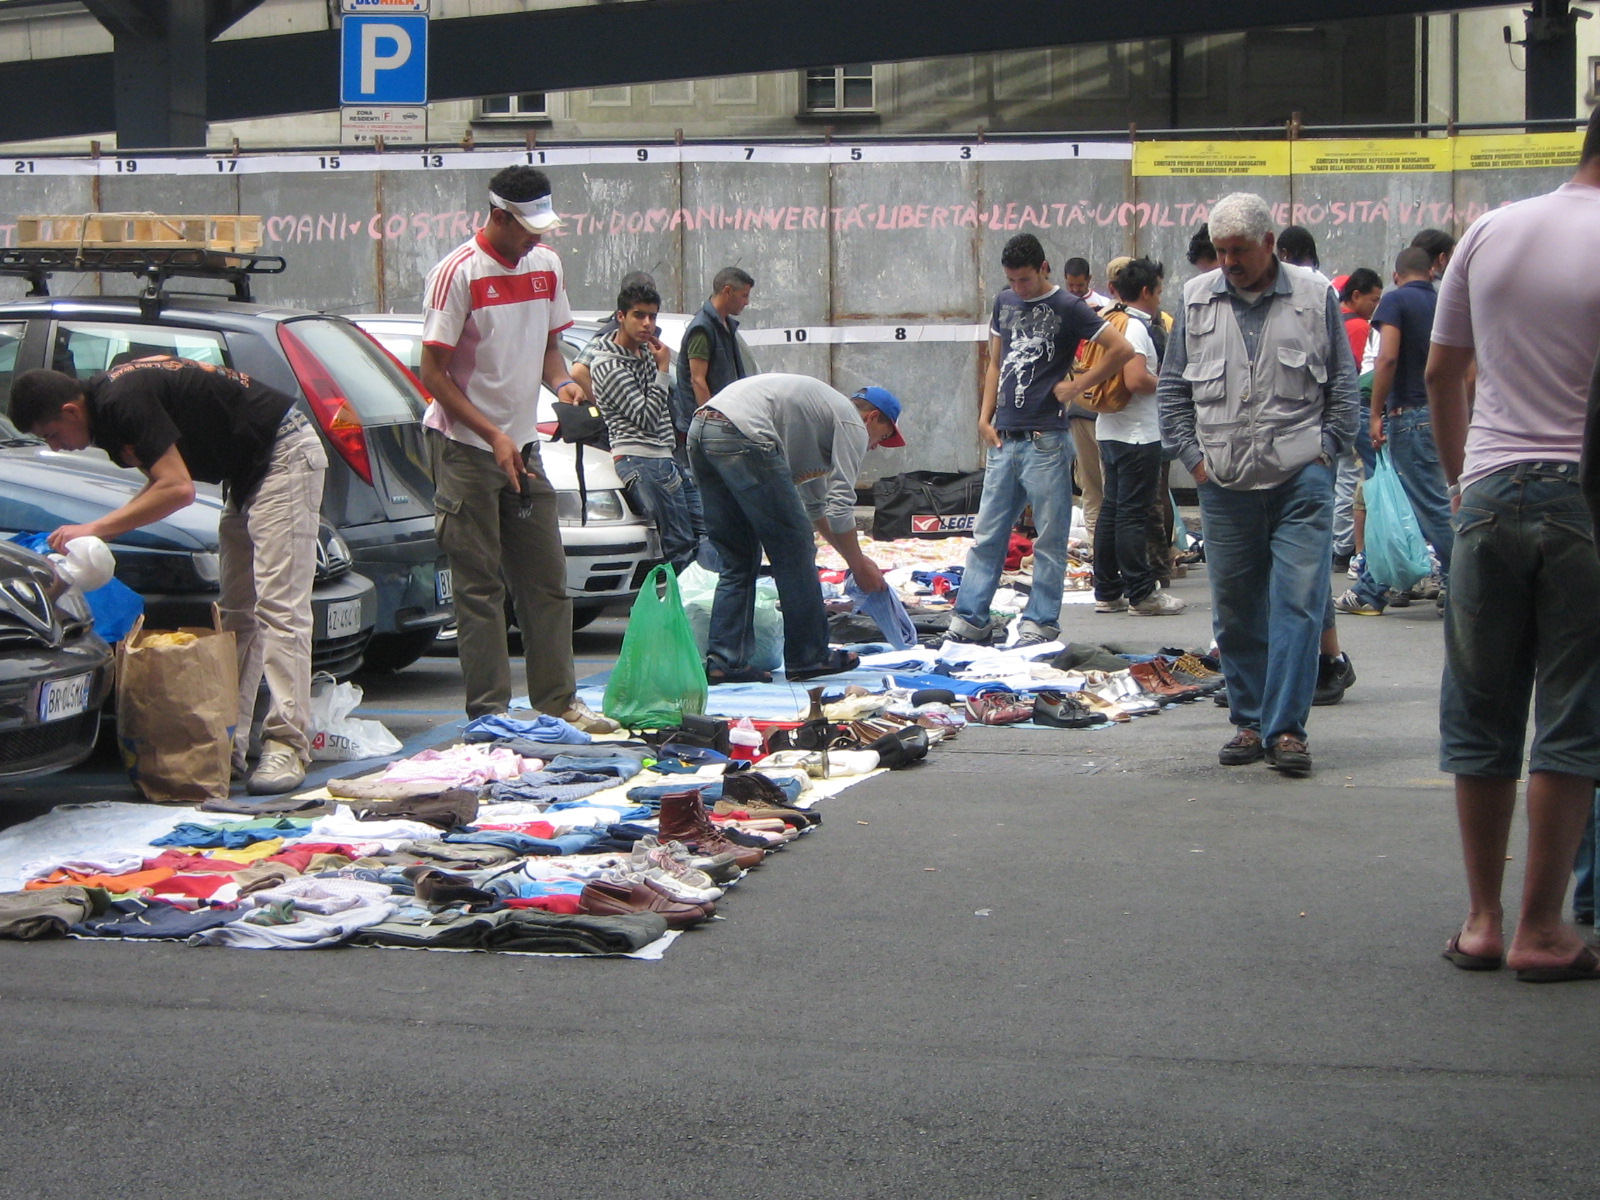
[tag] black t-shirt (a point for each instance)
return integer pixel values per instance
(222, 422)
(1038, 341)
(1409, 308)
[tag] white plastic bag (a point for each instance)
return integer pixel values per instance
(336, 736)
(697, 586)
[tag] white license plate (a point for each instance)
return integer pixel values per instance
(63, 698)
(444, 586)
(344, 616)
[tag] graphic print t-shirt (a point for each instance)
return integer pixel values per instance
(1038, 341)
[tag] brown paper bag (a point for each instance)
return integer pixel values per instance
(176, 711)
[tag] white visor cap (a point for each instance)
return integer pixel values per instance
(536, 216)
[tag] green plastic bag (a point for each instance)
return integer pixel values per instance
(659, 675)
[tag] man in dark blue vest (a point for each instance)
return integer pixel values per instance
(708, 361)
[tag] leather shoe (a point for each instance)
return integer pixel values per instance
(1289, 756)
(1245, 747)
(602, 898)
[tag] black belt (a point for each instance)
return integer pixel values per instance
(1023, 435)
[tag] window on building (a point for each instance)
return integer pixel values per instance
(734, 89)
(840, 89)
(1022, 75)
(1098, 73)
(611, 97)
(522, 105)
(679, 91)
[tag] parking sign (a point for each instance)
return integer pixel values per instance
(384, 60)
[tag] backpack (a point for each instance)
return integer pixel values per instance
(1112, 395)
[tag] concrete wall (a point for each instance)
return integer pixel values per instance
(911, 245)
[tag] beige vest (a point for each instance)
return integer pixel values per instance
(1258, 423)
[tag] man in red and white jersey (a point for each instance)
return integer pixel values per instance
(492, 311)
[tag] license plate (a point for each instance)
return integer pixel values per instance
(344, 616)
(444, 586)
(63, 698)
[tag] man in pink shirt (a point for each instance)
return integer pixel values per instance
(1522, 299)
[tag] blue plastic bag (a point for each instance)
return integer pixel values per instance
(1397, 553)
(116, 606)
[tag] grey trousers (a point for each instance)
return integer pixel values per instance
(1086, 469)
(494, 536)
(1344, 495)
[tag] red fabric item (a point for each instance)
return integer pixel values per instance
(132, 881)
(566, 905)
(830, 576)
(1019, 548)
(186, 862)
(538, 829)
(1358, 330)
(198, 887)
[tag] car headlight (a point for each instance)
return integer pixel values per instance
(606, 505)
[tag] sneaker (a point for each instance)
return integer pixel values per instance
(1289, 756)
(1333, 679)
(1158, 604)
(1341, 562)
(1357, 562)
(1348, 602)
(280, 770)
(1396, 599)
(1120, 604)
(580, 716)
(981, 638)
(1025, 640)
(999, 708)
(1244, 748)
(1426, 589)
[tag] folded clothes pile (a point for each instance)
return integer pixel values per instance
(588, 849)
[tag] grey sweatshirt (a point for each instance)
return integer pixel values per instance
(632, 396)
(821, 433)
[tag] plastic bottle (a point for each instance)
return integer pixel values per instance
(745, 740)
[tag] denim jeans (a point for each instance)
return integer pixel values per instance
(751, 504)
(1416, 461)
(658, 487)
(1267, 553)
(1523, 621)
(697, 511)
(1130, 474)
(1034, 470)
(1584, 872)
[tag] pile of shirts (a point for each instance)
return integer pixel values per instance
(529, 839)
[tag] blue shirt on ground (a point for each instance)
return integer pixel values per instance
(1409, 309)
(1038, 341)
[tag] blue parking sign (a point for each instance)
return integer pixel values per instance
(384, 60)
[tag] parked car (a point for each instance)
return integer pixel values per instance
(55, 673)
(173, 563)
(609, 554)
(378, 493)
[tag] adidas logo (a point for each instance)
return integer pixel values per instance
(493, 294)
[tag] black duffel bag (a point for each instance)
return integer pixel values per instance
(926, 504)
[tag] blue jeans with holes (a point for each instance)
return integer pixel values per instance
(1034, 470)
(751, 504)
(1267, 553)
(1416, 461)
(658, 488)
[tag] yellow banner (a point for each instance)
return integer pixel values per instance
(1383, 156)
(1210, 158)
(1510, 151)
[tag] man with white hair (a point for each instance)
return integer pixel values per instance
(1258, 398)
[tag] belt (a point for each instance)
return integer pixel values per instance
(1395, 412)
(1022, 435)
(711, 414)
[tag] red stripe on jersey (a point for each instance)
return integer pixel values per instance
(513, 289)
(446, 275)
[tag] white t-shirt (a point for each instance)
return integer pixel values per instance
(1523, 291)
(1139, 423)
(497, 317)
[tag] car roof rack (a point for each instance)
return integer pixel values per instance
(155, 264)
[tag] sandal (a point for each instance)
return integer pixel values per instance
(838, 663)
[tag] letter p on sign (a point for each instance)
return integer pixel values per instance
(384, 60)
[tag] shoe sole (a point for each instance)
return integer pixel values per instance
(1239, 759)
(1298, 770)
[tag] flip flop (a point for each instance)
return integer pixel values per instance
(1472, 962)
(1584, 965)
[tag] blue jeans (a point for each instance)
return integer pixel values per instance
(751, 504)
(1122, 566)
(1034, 470)
(1583, 886)
(1267, 554)
(1416, 461)
(697, 511)
(1523, 622)
(659, 488)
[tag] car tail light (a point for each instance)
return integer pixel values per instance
(333, 410)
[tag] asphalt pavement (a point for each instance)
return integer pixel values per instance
(1042, 964)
